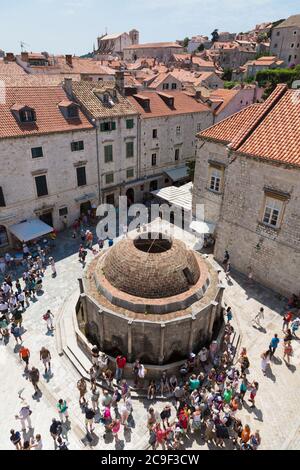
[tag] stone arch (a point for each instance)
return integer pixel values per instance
(92, 333)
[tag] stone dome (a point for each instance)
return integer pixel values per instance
(154, 267)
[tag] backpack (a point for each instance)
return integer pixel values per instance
(46, 316)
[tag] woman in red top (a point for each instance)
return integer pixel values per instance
(120, 364)
(160, 436)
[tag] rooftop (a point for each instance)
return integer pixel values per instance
(49, 118)
(154, 45)
(270, 130)
(293, 20)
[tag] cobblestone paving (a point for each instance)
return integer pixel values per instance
(277, 398)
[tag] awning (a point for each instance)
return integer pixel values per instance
(29, 230)
(180, 197)
(85, 197)
(177, 174)
(202, 226)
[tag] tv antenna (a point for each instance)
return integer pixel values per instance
(23, 45)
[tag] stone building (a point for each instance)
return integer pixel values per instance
(116, 43)
(47, 158)
(162, 51)
(168, 123)
(230, 55)
(285, 41)
(247, 177)
(117, 134)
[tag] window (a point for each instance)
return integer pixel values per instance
(295, 32)
(272, 212)
(72, 112)
(41, 185)
(130, 173)
(109, 178)
(107, 126)
(275, 45)
(76, 146)
(198, 127)
(129, 124)
(37, 152)
(165, 86)
(292, 45)
(63, 211)
(129, 149)
(27, 115)
(177, 154)
(81, 176)
(110, 199)
(278, 33)
(174, 86)
(154, 133)
(153, 159)
(290, 58)
(2, 200)
(108, 153)
(215, 180)
(178, 130)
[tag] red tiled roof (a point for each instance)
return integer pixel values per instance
(182, 104)
(224, 96)
(270, 130)
(49, 118)
(10, 69)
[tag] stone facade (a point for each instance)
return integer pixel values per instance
(272, 254)
(285, 41)
(58, 164)
(160, 52)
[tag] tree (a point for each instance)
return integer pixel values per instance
(185, 42)
(270, 78)
(200, 48)
(215, 35)
(227, 75)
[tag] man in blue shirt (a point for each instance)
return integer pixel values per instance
(273, 345)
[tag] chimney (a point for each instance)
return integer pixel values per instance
(120, 82)
(10, 57)
(25, 57)
(69, 60)
(68, 87)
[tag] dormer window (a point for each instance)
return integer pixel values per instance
(69, 109)
(24, 113)
(106, 98)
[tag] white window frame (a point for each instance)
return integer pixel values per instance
(272, 213)
(215, 180)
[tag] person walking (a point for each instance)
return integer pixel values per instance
(120, 365)
(229, 314)
(16, 332)
(288, 351)
(34, 376)
(273, 345)
(24, 416)
(265, 360)
(295, 325)
(258, 317)
(227, 271)
(62, 410)
(55, 430)
(48, 319)
(89, 418)
(243, 387)
(53, 267)
(45, 357)
(286, 321)
(24, 355)
(81, 386)
(95, 395)
(253, 392)
(15, 438)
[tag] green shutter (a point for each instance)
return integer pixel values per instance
(108, 153)
(113, 126)
(102, 128)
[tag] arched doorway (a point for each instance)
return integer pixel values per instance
(130, 196)
(3, 236)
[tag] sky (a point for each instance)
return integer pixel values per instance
(72, 26)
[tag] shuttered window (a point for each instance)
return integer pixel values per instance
(107, 126)
(76, 146)
(81, 176)
(41, 185)
(129, 149)
(108, 153)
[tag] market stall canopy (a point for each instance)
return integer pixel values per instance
(180, 197)
(177, 174)
(30, 229)
(200, 226)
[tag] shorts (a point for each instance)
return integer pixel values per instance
(26, 360)
(252, 396)
(89, 421)
(46, 361)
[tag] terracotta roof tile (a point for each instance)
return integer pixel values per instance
(270, 130)
(10, 69)
(182, 104)
(49, 118)
(154, 45)
(85, 93)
